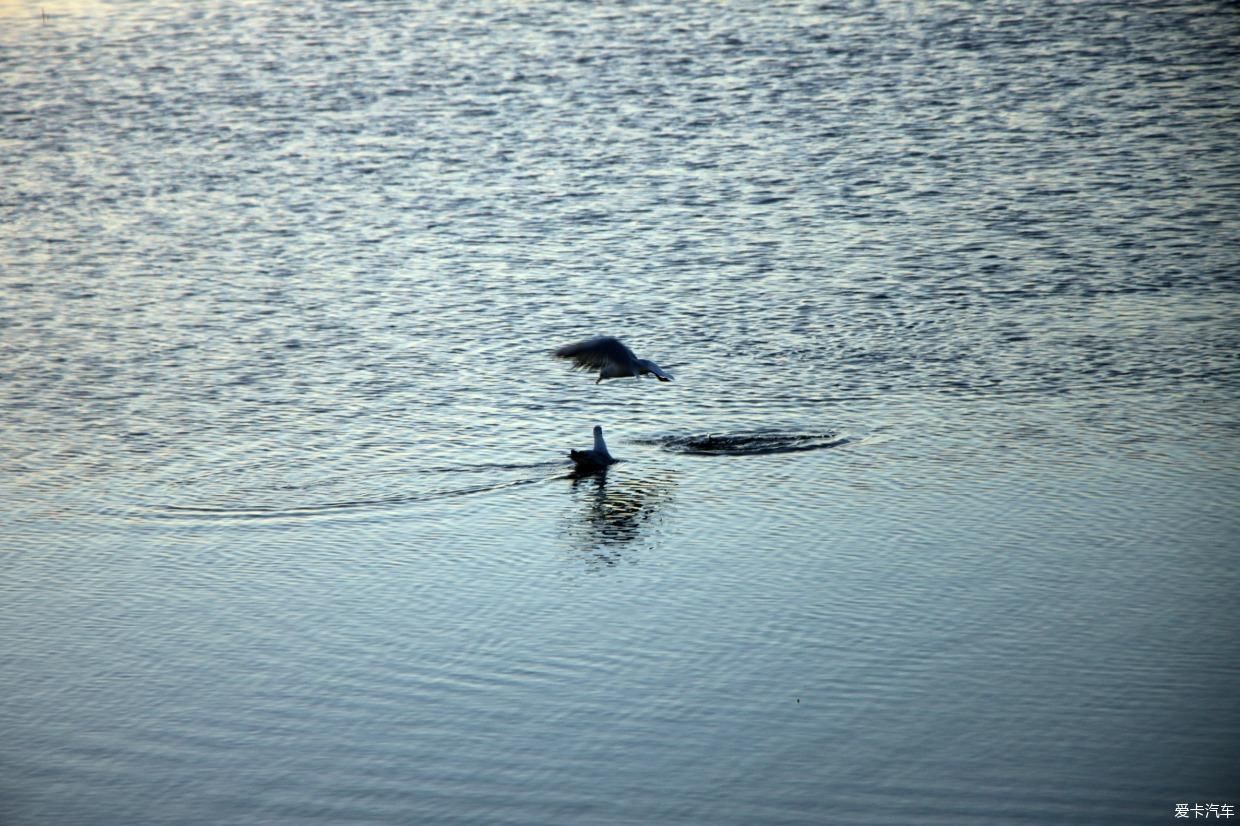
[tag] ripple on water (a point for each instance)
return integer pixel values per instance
(750, 444)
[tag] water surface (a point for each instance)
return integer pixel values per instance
(936, 524)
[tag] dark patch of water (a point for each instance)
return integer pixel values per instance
(750, 444)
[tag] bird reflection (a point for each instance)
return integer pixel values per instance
(617, 511)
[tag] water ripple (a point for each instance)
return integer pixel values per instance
(754, 443)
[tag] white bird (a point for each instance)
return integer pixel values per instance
(596, 459)
(612, 359)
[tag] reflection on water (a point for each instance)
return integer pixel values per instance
(51, 12)
(616, 509)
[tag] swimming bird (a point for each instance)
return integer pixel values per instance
(612, 359)
(588, 461)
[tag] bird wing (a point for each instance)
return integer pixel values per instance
(597, 353)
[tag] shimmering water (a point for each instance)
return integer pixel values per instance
(936, 525)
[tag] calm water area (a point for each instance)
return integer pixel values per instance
(937, 523)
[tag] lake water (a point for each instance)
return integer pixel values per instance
(937, 523)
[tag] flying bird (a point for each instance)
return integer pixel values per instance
(588, 461)
(610, 357)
